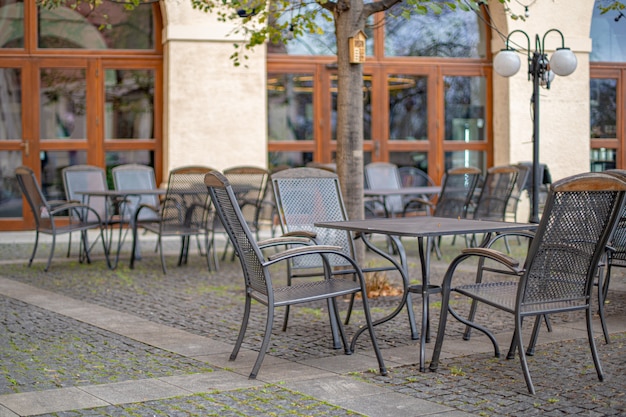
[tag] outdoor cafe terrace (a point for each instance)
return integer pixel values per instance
(44, 350)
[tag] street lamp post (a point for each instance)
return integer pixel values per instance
(563, 62)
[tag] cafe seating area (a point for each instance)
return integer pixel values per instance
(198, 198)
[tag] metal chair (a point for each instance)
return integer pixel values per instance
(383, 175)
(455, 197)
(129, 177)
(258, 278)
(558, 274)
(415, 177)
(184, 213)
(250, 186)
(494, 195)
(615, 258)
(78, 178)
(523, 176)
(305, 196)
(46, 215)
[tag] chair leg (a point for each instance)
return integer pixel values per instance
(592, 345)
(519, 346)
(603, 285)
(370, 326)
(162, 256)
(69, 244)
(54, 238)
(32, 255)
(242, 329)
(265, 343)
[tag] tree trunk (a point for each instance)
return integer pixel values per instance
(348, 21)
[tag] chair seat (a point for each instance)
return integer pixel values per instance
(304, 292)
(74, 227)
(503, 295)
(173, 230)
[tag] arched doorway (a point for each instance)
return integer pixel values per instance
(77, 86)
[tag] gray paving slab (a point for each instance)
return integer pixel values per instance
(218, 380)
(50, 401)
(135, 391)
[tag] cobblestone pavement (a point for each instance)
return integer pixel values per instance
(42, 350)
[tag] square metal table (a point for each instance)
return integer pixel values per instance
(425, 229)
(111, 196)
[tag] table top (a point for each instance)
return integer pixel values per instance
(117, 193)
(426, 226)
(381, 192)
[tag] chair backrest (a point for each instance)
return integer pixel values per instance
(414, 177)
(305, 196)
(136, 177)
(384, 175)
(249, 184)
(86, 178)
(34, 195)
(456, 192)
(618, 240)
(562, 260)
(231, 217)
(495, 193)
(186, 201)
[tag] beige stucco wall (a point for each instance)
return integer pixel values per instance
(214, 112)
(564, 109)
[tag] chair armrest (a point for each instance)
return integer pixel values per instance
(306, 250)
(494, 255)
(284, 240)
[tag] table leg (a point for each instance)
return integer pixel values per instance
(426, 289)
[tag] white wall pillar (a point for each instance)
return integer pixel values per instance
(214, 112)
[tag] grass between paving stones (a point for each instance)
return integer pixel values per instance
(563, 373)
(43, 350)
(269, 400)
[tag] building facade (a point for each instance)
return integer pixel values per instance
(157, 86)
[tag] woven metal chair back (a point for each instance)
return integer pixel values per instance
(250, 186)
(456, 192)
(87, 178)
(34, 196)
(562, 260)
(227, 208)
(305, 196)
(383, 175)
(136, 177)
(618, 240)
(414, 177)
(495, 193)
(186, 203)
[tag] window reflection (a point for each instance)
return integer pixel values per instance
(10, 104)
(12, 24)
(463, 159)
(306, 43)
(292, 159)
(450, 34)
(465, 108)
(603, 159)
(408, 107)
(63, 103)
(290, 107)
(410, 159)
(608, 34)
(603, 103)
(129, 106)
(367, 107)
(52, 163)
(10, 194)
(76, 25)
